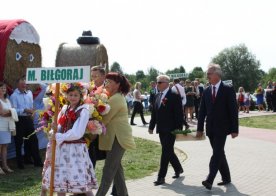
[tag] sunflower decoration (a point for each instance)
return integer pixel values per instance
(46, 117)
(62, 100)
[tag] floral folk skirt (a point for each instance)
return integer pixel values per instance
(74, 172)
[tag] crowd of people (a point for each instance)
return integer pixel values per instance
(190, 92)
(265, 98)
(173, 105)
(262, 99)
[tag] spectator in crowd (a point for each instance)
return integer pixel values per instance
(170, 84)
(219, 108)
(182, 83)
(118, 138)
(178, 89)
(247, 99)
(129, 100)
(190, 95)
(38, 96)
(137, 104)
(153, 92)
(22, 101)
(268, 96)
(260, 97)
(198, 94)
(8, 116)
(167, 116)
(146, 101)
(240, 99)
(274, 97)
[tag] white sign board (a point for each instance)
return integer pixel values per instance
(58, 74)
(228, 82)
(178, 75)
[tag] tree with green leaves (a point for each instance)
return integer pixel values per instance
(179, 69)
(116, 67)
(152, 74)
(196, 73)
(240, 66)
(131, 78)
(270, 76)
(140, 75)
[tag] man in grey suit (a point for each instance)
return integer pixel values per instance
(219, 105)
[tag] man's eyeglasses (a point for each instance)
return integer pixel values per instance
(160, 82)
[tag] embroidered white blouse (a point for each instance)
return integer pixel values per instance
(78, 128)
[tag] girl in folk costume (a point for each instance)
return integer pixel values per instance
(74, 172)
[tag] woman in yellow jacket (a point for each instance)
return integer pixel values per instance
(118, 138)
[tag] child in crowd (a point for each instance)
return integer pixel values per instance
(74, 172)
(241, 99)
(247, 101)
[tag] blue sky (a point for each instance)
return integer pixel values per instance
(159, 33)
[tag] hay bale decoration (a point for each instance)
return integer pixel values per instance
(19, 49)
(87, 51)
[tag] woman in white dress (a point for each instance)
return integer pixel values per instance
(74, 172)
(5, 131)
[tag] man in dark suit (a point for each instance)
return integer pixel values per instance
(273, 93)
(219, 105)
(199, 90)
(167, 116)
(153, 92)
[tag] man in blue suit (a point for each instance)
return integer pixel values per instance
(167, 116)
(219, 105)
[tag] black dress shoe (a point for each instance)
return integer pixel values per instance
(159, 181)
(38, 164)
(146, 123)
(177, 174)
(207, 184)
(224, 182)
(28, 162)
(20, 166)
(187, 127)
(133, 124)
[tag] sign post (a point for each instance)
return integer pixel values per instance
(57, 75)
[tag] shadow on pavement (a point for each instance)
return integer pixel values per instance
(180, 188)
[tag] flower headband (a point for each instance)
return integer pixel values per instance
(66, 86)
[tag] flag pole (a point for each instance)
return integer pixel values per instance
(54, 141)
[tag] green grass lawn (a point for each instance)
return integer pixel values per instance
(265, 122)
(137, 164)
